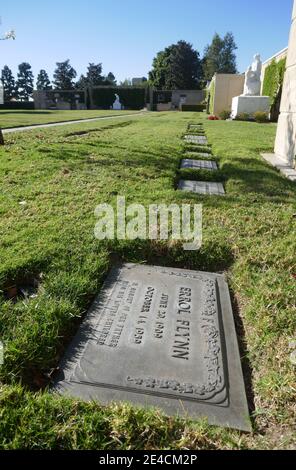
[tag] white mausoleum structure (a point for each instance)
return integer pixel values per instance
(285, 144)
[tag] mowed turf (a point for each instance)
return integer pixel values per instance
(51, 182)
(21, 118)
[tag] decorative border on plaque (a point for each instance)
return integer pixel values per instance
(213, 355)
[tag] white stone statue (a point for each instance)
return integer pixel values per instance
(117, 105)
(253, 78)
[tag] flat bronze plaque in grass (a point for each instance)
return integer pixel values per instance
(196, 139)
(210, 165)
(202, 187)
(160, 337)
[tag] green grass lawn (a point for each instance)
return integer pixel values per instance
(60, 175)
(21, 118)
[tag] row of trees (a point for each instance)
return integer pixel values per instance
(179, 66)
(63, 79)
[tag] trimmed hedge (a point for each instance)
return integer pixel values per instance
(272, 85)
(130, 98)
(18, 105)
(199, 108)
(103, 97)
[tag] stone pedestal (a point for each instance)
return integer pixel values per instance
(249, 105)
(285, 145)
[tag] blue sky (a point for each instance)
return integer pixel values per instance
(125, 35)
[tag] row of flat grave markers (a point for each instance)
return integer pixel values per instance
(160, 337)
(200, 187)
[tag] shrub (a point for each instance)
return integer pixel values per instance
(199, 108)
(243, 117)
(225, 114)
(261, 117)
(213, 118)
(103, 97)
(18, 105)
(130, 98)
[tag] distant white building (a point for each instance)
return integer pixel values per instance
(138, 81)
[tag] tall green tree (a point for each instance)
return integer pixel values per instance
(93, 77)
(81, 83)
(9, 84)
(110, 79)
(43, 82)
(219, 56)
(25, 81)
(64, 76)
(177, 67)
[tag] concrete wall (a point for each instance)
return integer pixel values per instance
(285, 145)
(48, 100)
(190, 97)
(164, 106)
(39, 98)
(227, 86)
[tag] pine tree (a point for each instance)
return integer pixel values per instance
(228, 58)
(25, 82)
(64, 76)
(94, 75)
(219, 56)
(81, 83)
(43, 82)
(8, 83)
(110, 79)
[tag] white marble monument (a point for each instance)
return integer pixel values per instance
(250, 101)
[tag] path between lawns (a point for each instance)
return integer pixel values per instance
(67, 123)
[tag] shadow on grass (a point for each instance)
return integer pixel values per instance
(99, 130)
(258, 178)
(137, 158)
(244, 354)
(211, 257)
(199, 175)
(21, 111)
